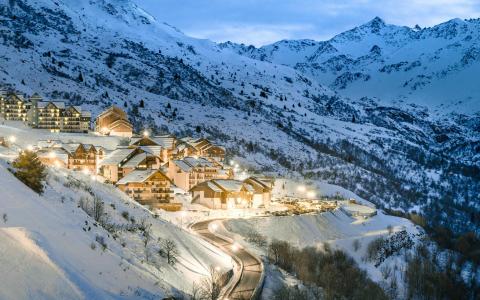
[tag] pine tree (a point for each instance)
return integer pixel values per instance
(80, 77)
(141, 104)
(30, 170)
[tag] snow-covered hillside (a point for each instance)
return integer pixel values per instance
(277, 114)
(433, 67)
(77, 257)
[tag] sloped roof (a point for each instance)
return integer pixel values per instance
(152, 149)
(117, 156)
(183, 165)
(117, 110)
(188, 163)
(135, 160)
(139, 176)
(229, 185)
(197, 162)
(58, 104)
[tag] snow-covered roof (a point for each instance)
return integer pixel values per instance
(213, 187)
(117, 156)
(166, 141)
(229, 185)
(188, 163)
(137, 176)
(135, 160)
(152, 149)
(183, 165)
(58, 104)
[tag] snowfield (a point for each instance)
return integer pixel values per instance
(52, 235)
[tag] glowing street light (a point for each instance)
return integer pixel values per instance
(235, 247)
(301, 188)
(214, 227)
(52, 154)
(146, 133)
(30, 148)
(311, 194)
(12, 139)
(232, 162)
(86, 172)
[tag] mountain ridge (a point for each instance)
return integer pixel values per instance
(325, 121)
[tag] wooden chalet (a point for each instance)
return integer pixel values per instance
(149, 187)
(113, 121)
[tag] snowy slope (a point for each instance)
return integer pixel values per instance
(281, 109)
(433, 67)
(52, 235)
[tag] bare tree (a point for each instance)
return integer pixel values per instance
(147, 237)
(97, 209)
(390, 229)
(169, 250)
(195, 292)
(211, 285)
(356, 245)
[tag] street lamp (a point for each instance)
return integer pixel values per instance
(12, 139)
(146, 133)
(311, 194)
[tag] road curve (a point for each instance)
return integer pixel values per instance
(250, 267)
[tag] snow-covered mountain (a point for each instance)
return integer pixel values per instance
(317, 109)
(435, 67)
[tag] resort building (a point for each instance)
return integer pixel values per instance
(113, 121)
(201, 147)
(190, 171)
(230, 194)
(122, 161)
(161, 145)
(84, 157)
(149, 187)
(56, 116)
(13, 106)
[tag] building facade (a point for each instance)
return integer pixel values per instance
(190, 171)
(230, 194)
(56, 116)
(13, 107)
(149, 187)
(113, 121)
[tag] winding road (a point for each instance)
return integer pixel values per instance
(247, 280)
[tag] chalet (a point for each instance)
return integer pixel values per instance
(261, 191)
(113, 121)
(230, 194)
(13, 107)
(56, 116)
(203, 148)
(149, 187)
(122, 161)
(161, 145)
(190, 171)
(83, 156)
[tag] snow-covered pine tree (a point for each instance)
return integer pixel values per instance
(30, 170)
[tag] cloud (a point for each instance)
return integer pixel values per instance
(255, 34)
(260, 22)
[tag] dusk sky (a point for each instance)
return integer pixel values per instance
(262, 22)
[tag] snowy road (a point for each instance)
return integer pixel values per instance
(247, 276)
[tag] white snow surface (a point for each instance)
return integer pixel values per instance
(50, 235)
